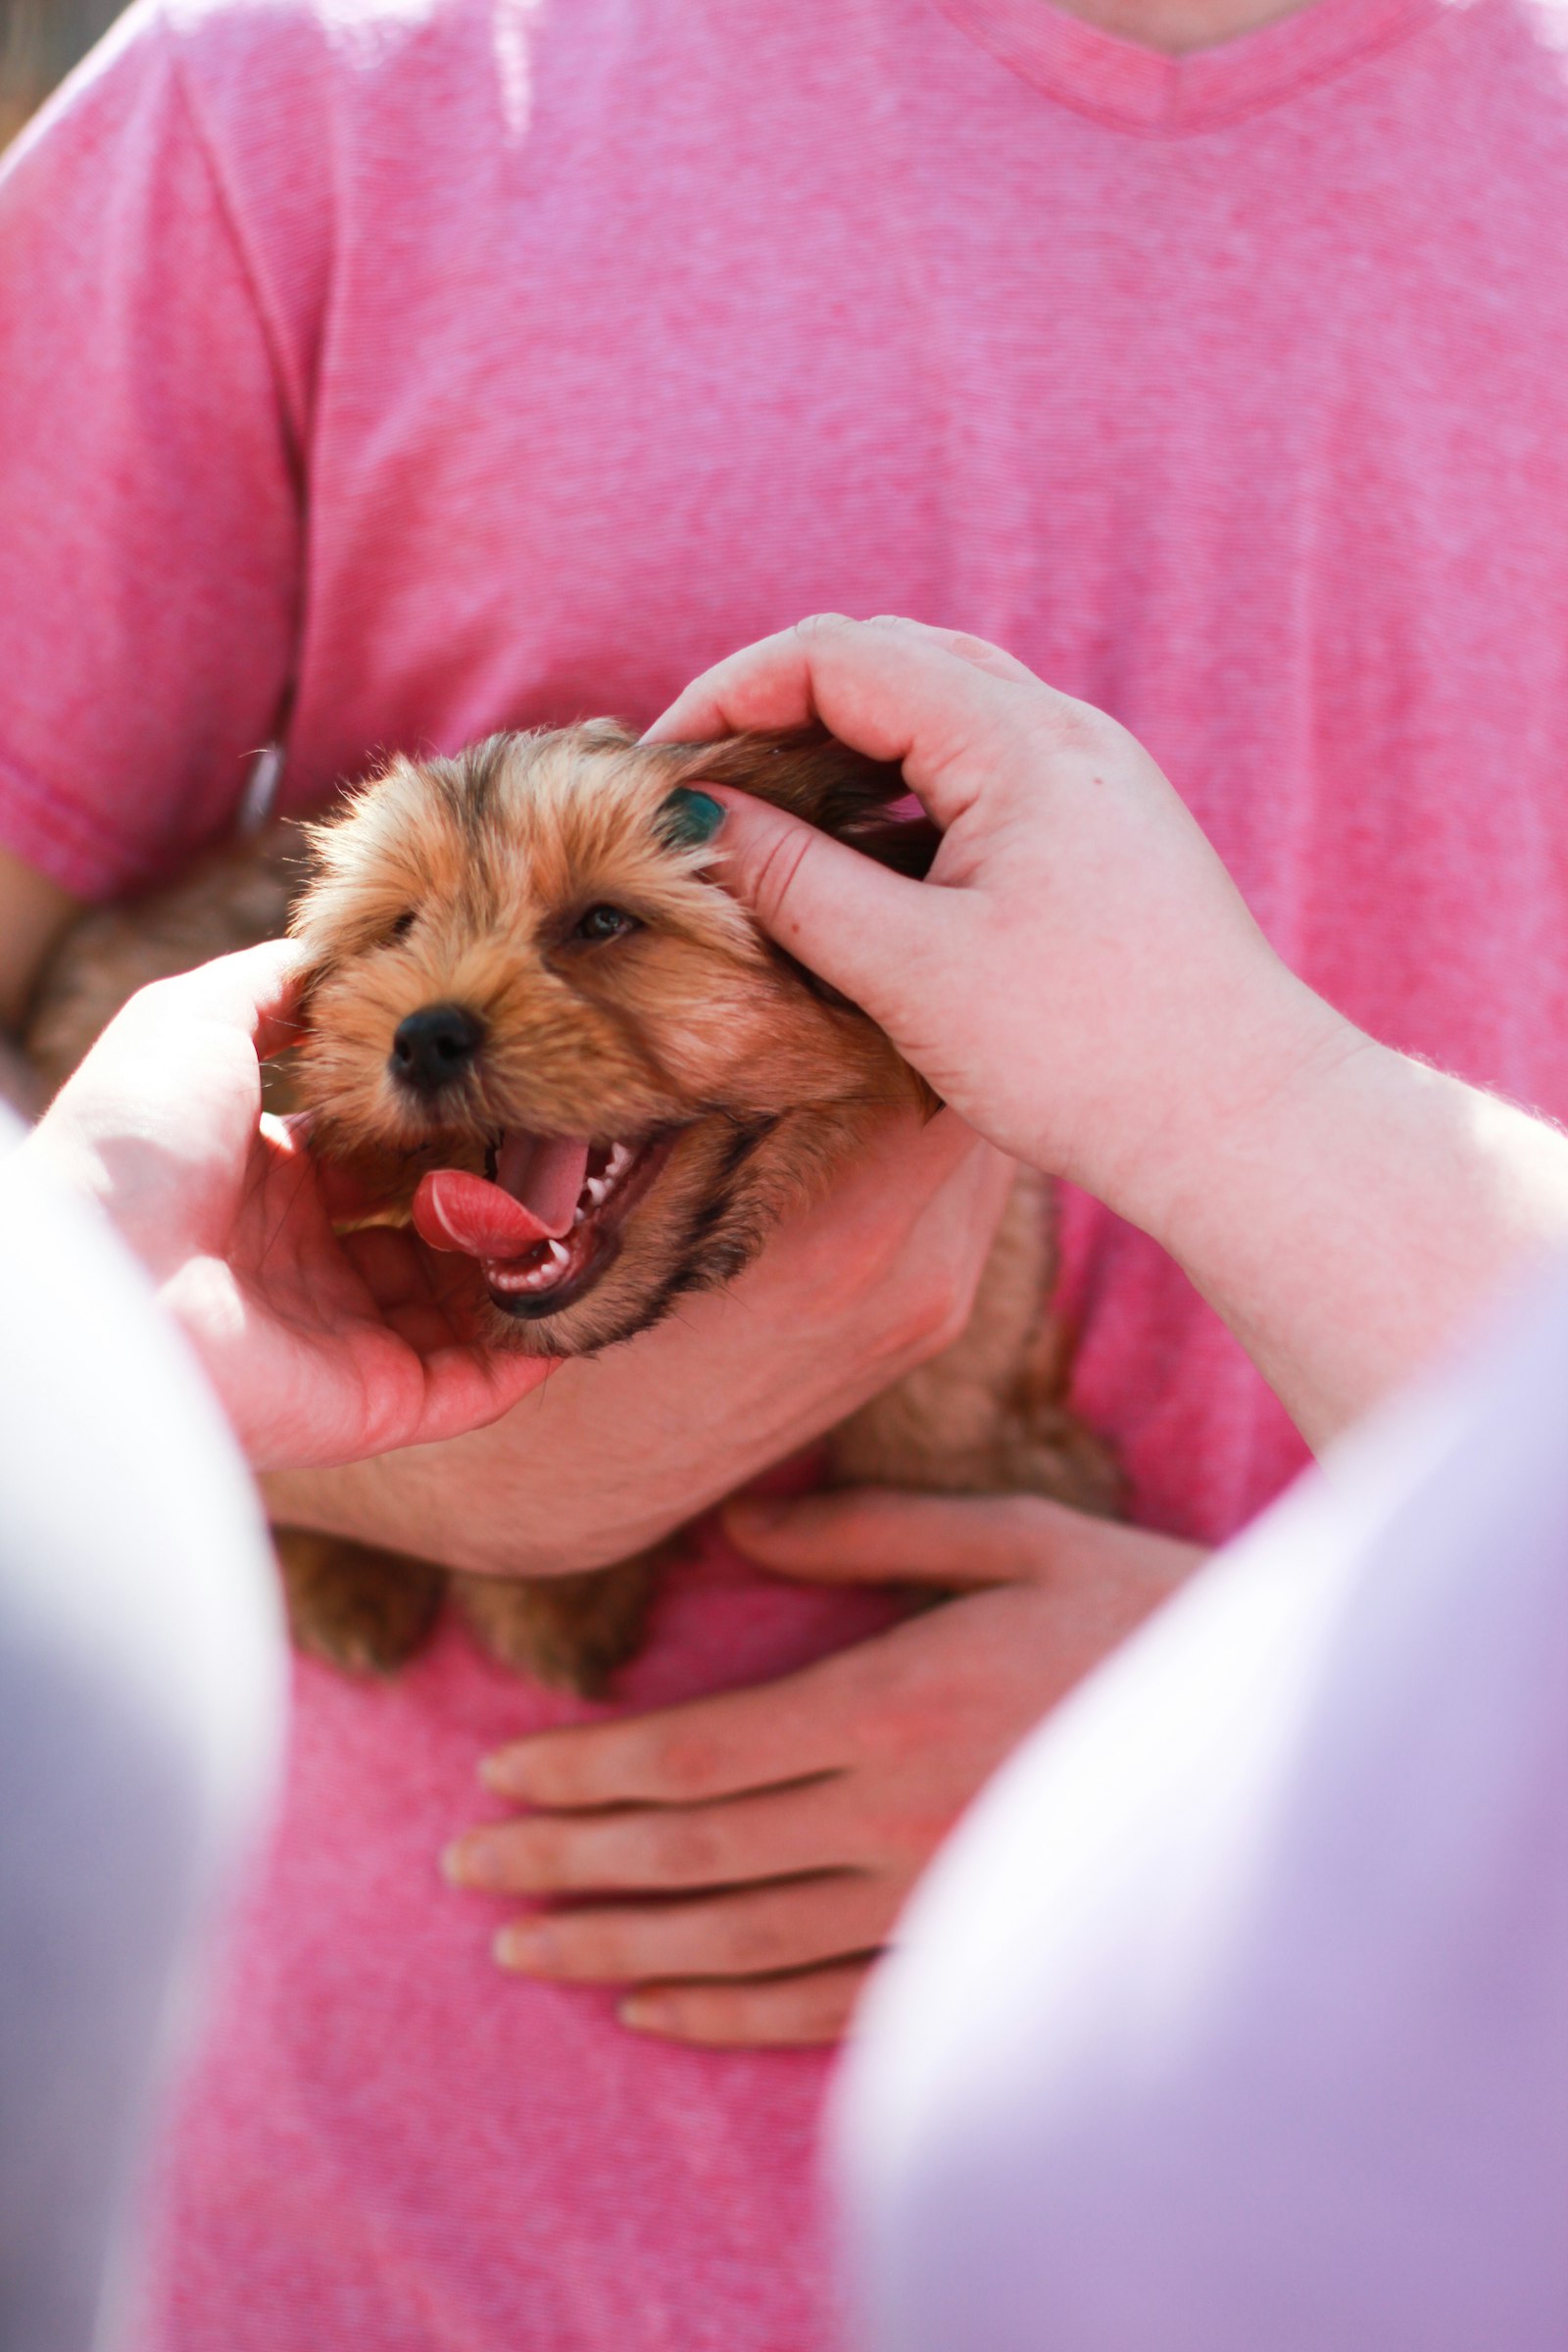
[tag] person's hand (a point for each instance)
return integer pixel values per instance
(1084, 971)
(321, 1349)
(1080, 978)
(850, 1295)
(740, 1861)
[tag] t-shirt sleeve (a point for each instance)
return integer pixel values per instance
(151, 535)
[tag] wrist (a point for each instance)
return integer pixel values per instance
(1211, 1127)
(1348, 1220)
(1263, 1154)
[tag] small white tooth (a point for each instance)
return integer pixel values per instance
(542, 1277)
(618, 1162)
(510, 1277)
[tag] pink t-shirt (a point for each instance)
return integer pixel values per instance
(382, 371)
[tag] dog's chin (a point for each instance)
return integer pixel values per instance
(685, 1213)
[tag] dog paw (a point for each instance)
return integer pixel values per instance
(571, 1632)
(360, 1610)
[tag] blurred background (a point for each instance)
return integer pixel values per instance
(41, 40)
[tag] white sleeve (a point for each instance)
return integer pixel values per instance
(141, 1705)
(1235, 2017)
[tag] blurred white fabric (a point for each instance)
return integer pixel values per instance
(141, 1710)
(1235, 2017)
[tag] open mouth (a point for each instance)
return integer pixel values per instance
(542, 1221)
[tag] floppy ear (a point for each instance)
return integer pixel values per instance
(841, 791)
(814, 777)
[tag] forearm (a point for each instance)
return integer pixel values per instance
(1349, 1222)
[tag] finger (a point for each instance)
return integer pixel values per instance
(667, 1848)
(710, 1747)
(468, 1388)
(394, 1267)
(789, 2012)
(979, 652)
(883, 1533)
(758, 1932)
(768, 676)
(774, 668)
(362, 1186)
(894, 693)
(427, 1298)
(346, 1191)
(856, 925)
(256, 990)
(286, 1141)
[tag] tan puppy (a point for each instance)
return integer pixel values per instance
(533, 1022)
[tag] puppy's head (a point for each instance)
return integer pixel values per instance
(522, 986)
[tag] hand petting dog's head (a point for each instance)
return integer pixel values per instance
(607, 1084)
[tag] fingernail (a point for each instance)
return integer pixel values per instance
(641, 2016)
(687, 819)
(523, 1945)
(505, 1774)
(472, 1862)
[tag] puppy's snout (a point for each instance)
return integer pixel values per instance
(435, 1045)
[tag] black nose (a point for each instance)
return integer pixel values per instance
(435, 1045)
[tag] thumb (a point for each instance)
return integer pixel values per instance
(887, 1535)
(852, 922)
(253, 989)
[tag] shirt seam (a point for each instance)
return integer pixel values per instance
(292, 400)
(269, 326)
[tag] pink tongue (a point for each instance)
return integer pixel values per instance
(534, 1199)
(545, 1173)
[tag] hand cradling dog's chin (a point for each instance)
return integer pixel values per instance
(532, 1021)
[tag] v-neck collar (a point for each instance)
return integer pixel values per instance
(1138, 89)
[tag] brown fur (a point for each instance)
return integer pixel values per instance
(462, 882)
(688, 1027)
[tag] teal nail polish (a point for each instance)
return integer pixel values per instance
(689, 819)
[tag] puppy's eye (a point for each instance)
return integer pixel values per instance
(404, 924)
(606, 923)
